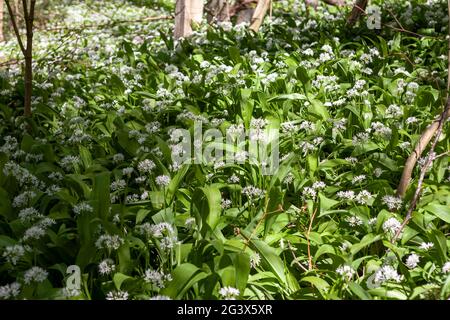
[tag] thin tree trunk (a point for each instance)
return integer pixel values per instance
(29, 18)
(358, 9)
(258, 15)
(218, 10)
(186, 12)
(2, 36)
(28, 14)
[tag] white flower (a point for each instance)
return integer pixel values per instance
(412, 261)
(393, 111)
(117, 295)
(309, 192)
(352, 160)
(146, 166)
(358, 179)
(111, 242)
(35, 232)
(377, 172)
(387, 273)
(14, 253)
(160, 297)
(426, 246)
(253, 192)
(23, 199)
(189, 223)
(118, 157)
(411, 120)
(391, 226)
(29, 215)
(107, 266)
(354, 221)
(360, 138)
(363, 197)
(156, 278)
(35, 274)
(446, 267)
(83, 207)
(346, 272)
(127, 171)
(346, 195)
(118, 185)
(229, 293)
(392, 202)
(255, 259)
(233, 179)
(319, 185)
(68, 162)
(10, 290)
(162, 181)
(226, 203)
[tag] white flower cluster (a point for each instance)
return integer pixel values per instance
(14, 253)
(412, 261)
(387, 273)
(347, 272)
(29, 215)
(146, 166)
(229, 293)
(117, 295)
(392, 226)
(22, 175)
(392, 202)
(253, 192)
(35, 274)
(82, 207)
(9, 291)
(354, 221)
(157, 278)
(111, 242)
(162, 181)
(107, 266)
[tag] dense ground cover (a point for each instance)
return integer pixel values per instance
(92, 182)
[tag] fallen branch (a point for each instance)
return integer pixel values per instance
(424, 169)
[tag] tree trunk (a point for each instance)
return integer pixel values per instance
(218, 10)
(2, 36)
(186, 12)
(258, 15)
(245, 16)
(358, 9)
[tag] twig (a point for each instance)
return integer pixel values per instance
(310, 266)
(16, 29)
(401, 29)
(295, 258)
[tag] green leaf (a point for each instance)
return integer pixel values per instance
(359, 291)
(175, 183)
(317, 282)
(365, 241)
(206, 207)
(119, 278)
(183, 278)
(291, 96)
(269, 257)
(440, 211)
(100, 195)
